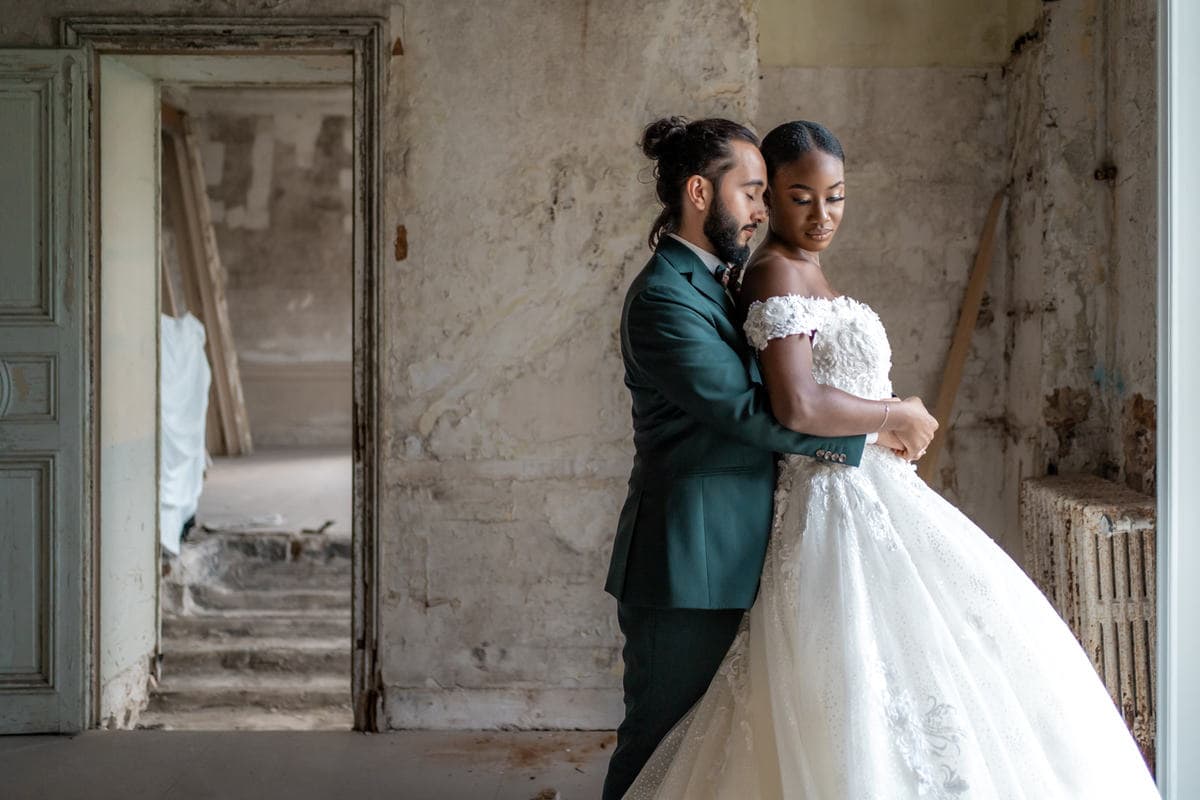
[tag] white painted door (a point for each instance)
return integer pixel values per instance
(45, 515)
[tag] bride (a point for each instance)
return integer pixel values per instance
(894, 651)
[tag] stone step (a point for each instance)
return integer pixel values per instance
(303, 656)
(251, 691)
(232, 626)
(273, 545)
(238, 718)
(216, 598)
(288, 575)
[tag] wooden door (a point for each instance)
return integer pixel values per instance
(45, 430)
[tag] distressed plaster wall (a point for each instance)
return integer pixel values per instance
(527, 206)
(1082, 243)
(871, 33)
(1130, 385)
(278, 168)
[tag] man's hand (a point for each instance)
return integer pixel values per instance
(891, 442)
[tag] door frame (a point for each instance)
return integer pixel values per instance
(362, 38)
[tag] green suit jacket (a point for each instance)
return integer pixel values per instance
(694, 528)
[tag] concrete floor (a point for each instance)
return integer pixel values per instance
(410, 765)
(304, 486)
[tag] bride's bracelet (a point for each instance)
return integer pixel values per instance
(887, 408)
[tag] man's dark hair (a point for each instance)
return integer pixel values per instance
(789, 141)
(681, 149)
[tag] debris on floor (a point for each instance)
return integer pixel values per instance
(256, 635)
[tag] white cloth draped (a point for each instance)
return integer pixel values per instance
(183, 390)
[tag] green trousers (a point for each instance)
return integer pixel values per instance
(671, 655)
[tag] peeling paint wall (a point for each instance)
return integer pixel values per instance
(278, 168)
(870, 33)
(527, 206)
(1082, 241)
(1131, 344)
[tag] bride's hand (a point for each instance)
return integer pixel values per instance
(892, 441)
(914, 426)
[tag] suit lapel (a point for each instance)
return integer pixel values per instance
(689, 264)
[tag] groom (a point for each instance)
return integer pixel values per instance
(692, 535)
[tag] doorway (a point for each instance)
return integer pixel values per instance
(287, 56)
(255, 599)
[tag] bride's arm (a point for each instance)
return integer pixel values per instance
(797, 400)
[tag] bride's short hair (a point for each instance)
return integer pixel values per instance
(789, 141)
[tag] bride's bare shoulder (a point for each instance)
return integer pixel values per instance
(771, 273)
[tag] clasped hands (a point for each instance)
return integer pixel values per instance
(909, 429)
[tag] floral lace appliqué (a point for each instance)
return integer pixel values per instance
(850, 346)
(784, 315)
(927, 737)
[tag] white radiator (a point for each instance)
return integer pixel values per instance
(1089, 546)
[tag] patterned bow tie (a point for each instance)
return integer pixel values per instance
(729, 277)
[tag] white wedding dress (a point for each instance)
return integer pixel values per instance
(894, 650)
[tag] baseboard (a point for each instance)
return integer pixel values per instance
(508, 709)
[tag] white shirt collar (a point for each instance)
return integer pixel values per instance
(710, 260)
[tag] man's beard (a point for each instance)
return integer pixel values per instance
(722, 231)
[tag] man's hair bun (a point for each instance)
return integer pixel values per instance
(660, 133)
(681, 149)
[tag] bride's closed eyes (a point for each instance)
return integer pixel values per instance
(804, 201)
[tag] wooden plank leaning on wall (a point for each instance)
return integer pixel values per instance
(204, 283)
(960, 346)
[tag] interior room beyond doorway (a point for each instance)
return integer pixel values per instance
(255, 262)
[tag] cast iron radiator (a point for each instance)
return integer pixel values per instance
(1089, 546)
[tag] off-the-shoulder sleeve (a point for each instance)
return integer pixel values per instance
(783, 315)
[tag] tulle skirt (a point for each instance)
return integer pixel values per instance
(895, 651)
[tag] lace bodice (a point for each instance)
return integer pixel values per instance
(850, 346)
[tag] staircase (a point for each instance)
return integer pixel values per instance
(256, 634)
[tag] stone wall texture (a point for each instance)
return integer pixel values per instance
(1082, 240)
(511, 159)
